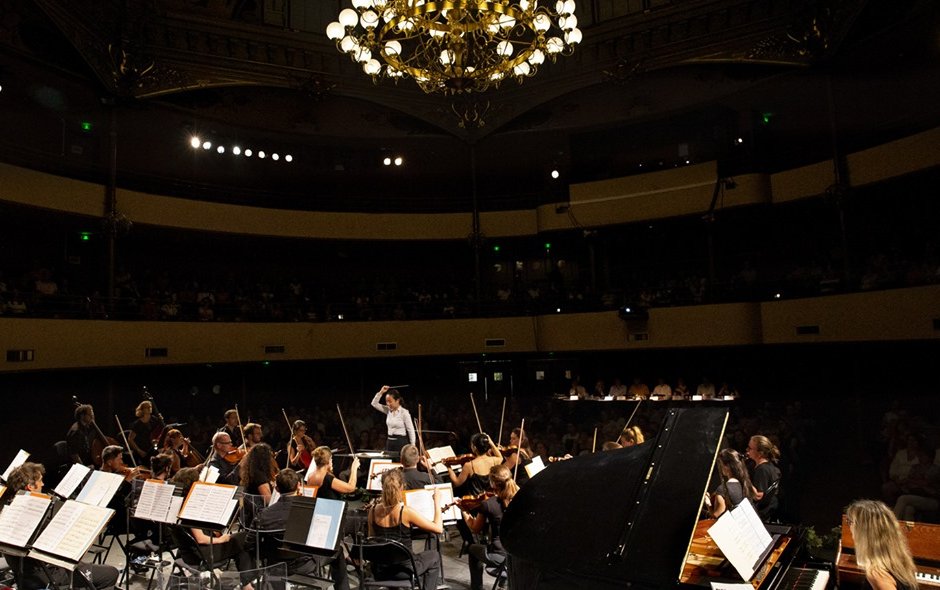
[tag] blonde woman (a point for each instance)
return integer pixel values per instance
(880, 547)
(321, 475)
(391, 519)
(632, 436)
(765, 476)
(490, 513)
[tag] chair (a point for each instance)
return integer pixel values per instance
(190, 559)
(391, 555)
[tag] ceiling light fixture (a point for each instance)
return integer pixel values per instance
(454, 46)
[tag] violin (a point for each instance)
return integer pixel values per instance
(134, 472)
(234, 456)
(468, 503)
(557, 459)
(458, 460)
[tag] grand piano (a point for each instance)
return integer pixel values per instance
(630, 518)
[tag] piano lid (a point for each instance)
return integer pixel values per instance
(621, 517)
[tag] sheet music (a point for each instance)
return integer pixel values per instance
(20, 458)
(73, 530)
(421, 501)
(72, 480)
(209, 474)
(727, 586)
(155, 501)
(742, 538)
(376, 469)
(438, 454)
(447, 497)
(19, 520)
(209, 502)
(325, 524)
(100, 488)
(309, 491)
(534, 466)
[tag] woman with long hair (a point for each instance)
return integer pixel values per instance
(321, 475)
(475, 472)
(880, 547)
(490, 513)
(391, 519)
(765, 476)
(632, 436)
(300, 449)
(257, 471)
(522, 452)
(735, 483)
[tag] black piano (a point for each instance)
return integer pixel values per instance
(630, 518)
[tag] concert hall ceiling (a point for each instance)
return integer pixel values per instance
(654, 84)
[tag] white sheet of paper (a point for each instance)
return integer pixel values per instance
(319, 528)
(100, 488)
(376, 469)
(209, 503)
(209, 474)
(155, 501)
(72, 479)
(73, 529)
(534, 466)
(742, 538)
(422, 501)
(19, 520)
(438, 454)
(728, 586)
(447, 497)
(20, 458)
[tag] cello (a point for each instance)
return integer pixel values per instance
(100, 441)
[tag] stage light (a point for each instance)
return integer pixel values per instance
(261, 155)
(399, 161)
(778, 295)
(557, 310)
(206, 145)
(387, 161)
(220, 149)
(555, 174)
(237, 150)
(195, 142)
(248, 153)
(288, 158)
(739, 140)
(275, 157)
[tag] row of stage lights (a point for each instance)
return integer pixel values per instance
(197, 143)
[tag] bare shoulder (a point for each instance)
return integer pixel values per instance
(881, 580)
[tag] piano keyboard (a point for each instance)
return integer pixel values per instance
(799, 578)
(928, 578)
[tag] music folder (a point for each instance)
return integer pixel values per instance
(70, 533)
(209, 505)
(314, 525)
(20, 520)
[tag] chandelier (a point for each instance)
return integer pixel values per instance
(455, 46)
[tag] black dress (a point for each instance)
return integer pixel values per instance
(428, 562)
(764, 478)
(491, 553)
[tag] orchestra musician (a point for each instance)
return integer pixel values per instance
(161, 466)
(224, 545)
(414, 478)
(391, 519)
(523, 454)
(322, 475)
(881, 547)
(274, 517)
(257, 471)
(300, 450)
(222, 459)
(765, 475)
(141, 429)
(231, 428)
(631, 436)
(181, 451)
(490, 513)
(475, 473)
(35, 575)
(735, 483)
(253, 434)
(82, 435)
(401, 430)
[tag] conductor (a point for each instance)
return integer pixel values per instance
(401, 430)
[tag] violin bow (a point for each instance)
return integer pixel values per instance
(241, 431)
(594, 444)
(515, 470)
(421, 448)
(630, 419)
(502, 416)
(127, 445)
(472, 402)
(346, 432)
(290, 429)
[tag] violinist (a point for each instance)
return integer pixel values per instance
(475, 471)
(518, 451)
(231, 427)
(631, 436)
(82, 435)
(112, 461)
(253, 434)
(181, 450)
(490, 513)
(401, 430)
(322, 475)
(141, 430)
(391, 519)
(300, 449)
(735, 483)
(161, 466)
(415, 479)
(257, 471)
(31, 574)
(223, 452)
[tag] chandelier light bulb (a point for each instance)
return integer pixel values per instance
(554, 45)
(447, 57)
(436, 33)
(569, 7)
(380, 4)
(542, 22)
(522, 69)
(537, 57)
(524, 5)
(363, 54)
(369, 20)
(560, 7)
(573, 37)
(357, 4)
(348, 17)
(335, 31)
(504, 48)
(372, 67)
(566, 23)
(195, 142)
(348, 44)
(506, 21)
(393, 48)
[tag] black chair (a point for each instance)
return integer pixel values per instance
(391, 560)
(189, 558)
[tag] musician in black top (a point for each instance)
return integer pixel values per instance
(142, 430)
(765, 476)
(491, 514)
(415, 479)
(81, 435)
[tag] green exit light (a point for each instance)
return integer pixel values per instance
(496, 248)
(266, 363)
(548, 245)
(86, 125)
(86, 236)
(766, 118)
